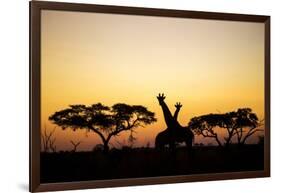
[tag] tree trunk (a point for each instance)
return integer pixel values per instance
(218, 141)
(230, 135)
(227, 142)
(105, 147)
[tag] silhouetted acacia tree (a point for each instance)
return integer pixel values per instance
(242, 123)
(105, 121)
(204, 125)
(245, 124)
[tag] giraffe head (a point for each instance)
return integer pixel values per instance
(178, 105)
(161, 98)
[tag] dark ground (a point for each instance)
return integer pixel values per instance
(147, 162)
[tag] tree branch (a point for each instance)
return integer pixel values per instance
(117, 131)
(250, 133)
(97, 132)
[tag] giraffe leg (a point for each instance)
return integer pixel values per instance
(161, 140)
(188, 143)
(172, 145)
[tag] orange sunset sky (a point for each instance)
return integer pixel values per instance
(209, 66)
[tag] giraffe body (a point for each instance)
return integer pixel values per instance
(168, 138)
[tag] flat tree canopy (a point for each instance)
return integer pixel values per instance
(242, 123)
(105, 121)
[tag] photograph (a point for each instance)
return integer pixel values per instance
(136, 96)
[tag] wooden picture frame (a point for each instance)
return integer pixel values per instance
(36, 8)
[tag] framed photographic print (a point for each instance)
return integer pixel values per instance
(124, 96)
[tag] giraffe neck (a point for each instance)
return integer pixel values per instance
(176, 114)
(167, 115)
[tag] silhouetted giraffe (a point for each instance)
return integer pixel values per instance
(164, 137)
(175, 132)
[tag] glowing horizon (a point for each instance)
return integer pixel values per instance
(209, 66)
